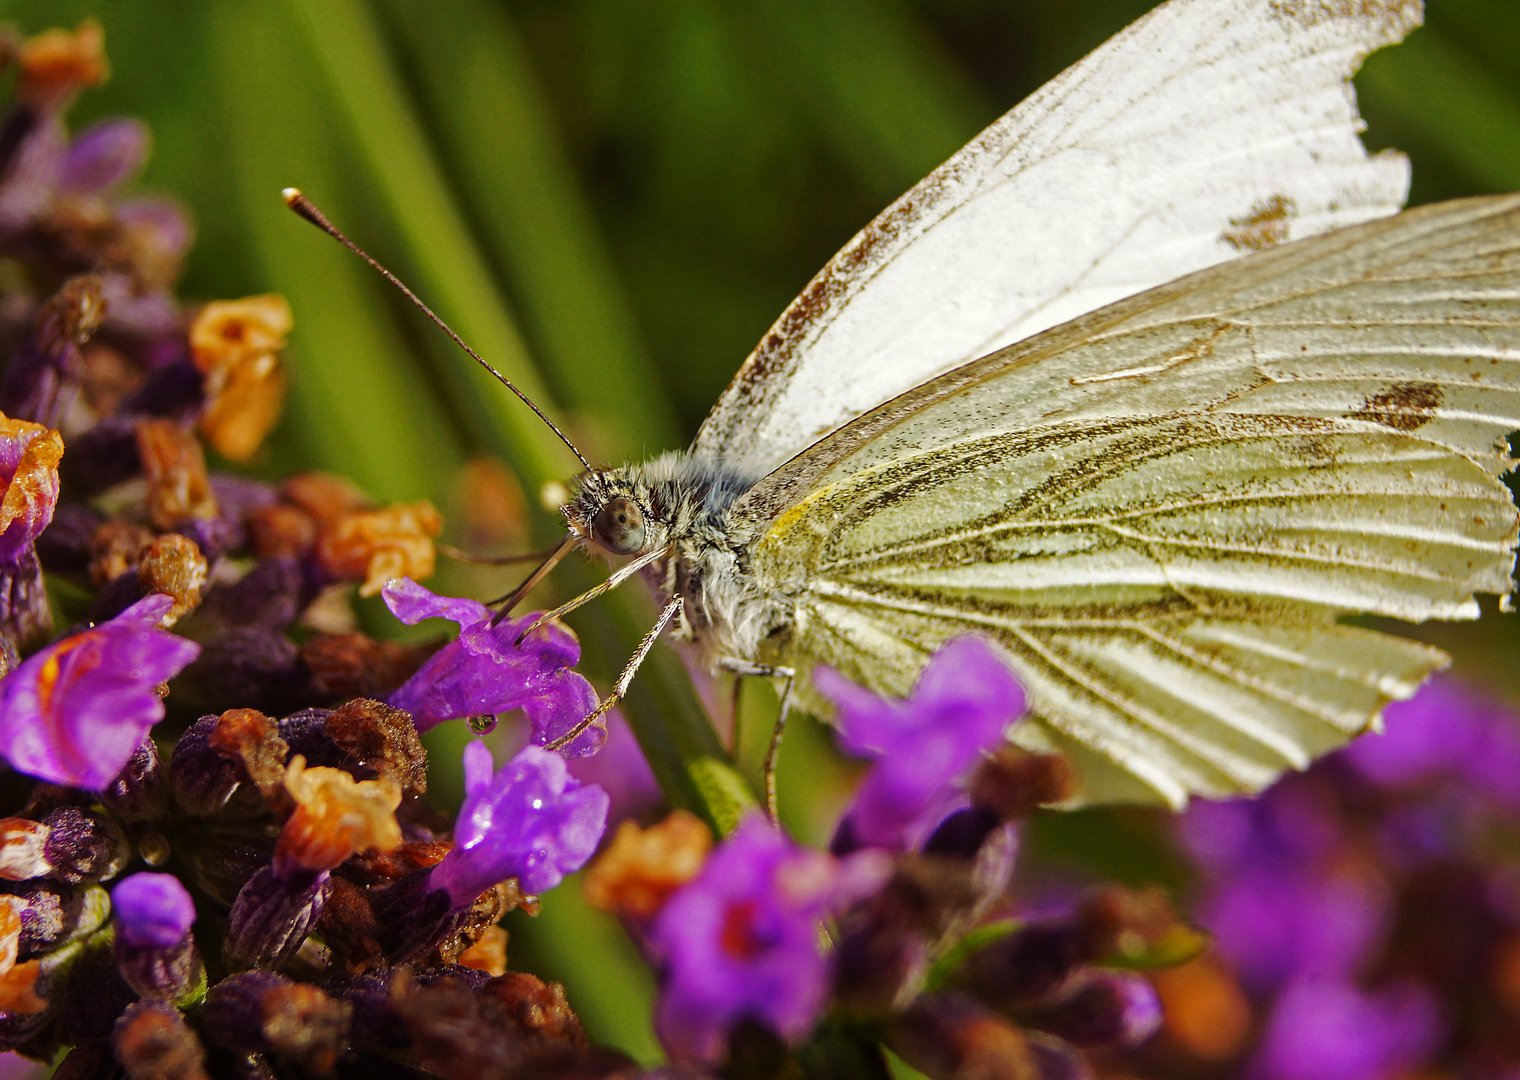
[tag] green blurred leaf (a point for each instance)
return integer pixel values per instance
(493, 125)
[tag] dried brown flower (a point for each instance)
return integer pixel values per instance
(336, 816)
(178, 488)
(376, 545)
(173, 564)
(639, 870)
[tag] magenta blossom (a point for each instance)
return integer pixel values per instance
(530, 821)
(742, 940)
(152, 910)
(484, 671)
(924, 745)
(75, 712)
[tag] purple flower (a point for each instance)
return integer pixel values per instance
(924, 745)
(104, 156)
(530, 821)
(741, 940)
(152, 910)
(1327, 1029)
(1444, 730)
(75, 712)
(483, 671)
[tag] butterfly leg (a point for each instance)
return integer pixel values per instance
(788, 676)
(624, 680)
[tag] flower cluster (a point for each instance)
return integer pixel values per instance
(908, 935)
(1366, 912)
(262, 890)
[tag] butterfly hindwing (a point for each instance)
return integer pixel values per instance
(1162, 509)
(1202, 131)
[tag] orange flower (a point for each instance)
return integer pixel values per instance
(57, 63)
(642, 867)
(235, 344)
(375, 546)
(336, 816)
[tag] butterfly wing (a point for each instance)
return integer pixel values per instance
(1162, 509)
(1206, 129)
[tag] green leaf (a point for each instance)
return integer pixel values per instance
(726, 798)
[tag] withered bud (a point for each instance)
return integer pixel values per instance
(260, 1012)
(1032, 965)
(380, 738)
(325, 497)
(639, 870)
(489, 953)
(82, 845)
(116, 547)
(174, 565)
(948, 1036)
(58, 63)
(72, 314)
(252, 741)
(179, 489)
(1135, 927)
(354, 665)
(153, 1042)
(280, 529)
(374, 546)
(1012, 783)
(531, 1004)
(335, 816)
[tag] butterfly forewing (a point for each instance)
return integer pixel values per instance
(1203, 130)
(1161, 509)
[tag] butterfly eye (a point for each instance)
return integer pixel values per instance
(619, 527)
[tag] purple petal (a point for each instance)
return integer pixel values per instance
(411, 603)
(76, 711)
(104, 156)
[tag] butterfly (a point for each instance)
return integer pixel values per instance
(1151, 384)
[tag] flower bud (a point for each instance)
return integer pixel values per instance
(272, 915)
(1034, 963)
(245, 667)
(153, 1042)
(950, 1037)
(270, 595)
(94, 993)
(83, 846)
(64, 546)
(203, 780)
(178, 488)
(140, 791)
(1109, 1009)
(42, 379)
(154, 949)
(51, 914)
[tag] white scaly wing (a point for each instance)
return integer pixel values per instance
(1204, 129)
(1161, 509)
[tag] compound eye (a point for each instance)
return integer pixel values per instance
(619, 527)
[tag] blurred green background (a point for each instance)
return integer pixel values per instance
(612, 200)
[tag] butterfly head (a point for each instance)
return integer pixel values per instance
(614, 512)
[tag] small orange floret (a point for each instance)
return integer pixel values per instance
(179, 489)
(235, 343)
(642, 867)
(228, 331)
(17, 981)
(377, 545)
(489, 954)
(33, 490)
(173, 564)
(336, 816)
(56, 63)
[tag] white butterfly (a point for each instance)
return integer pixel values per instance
(1162, 507)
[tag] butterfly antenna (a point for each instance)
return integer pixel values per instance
(308, 210)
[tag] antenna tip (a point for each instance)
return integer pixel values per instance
(290, 195)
